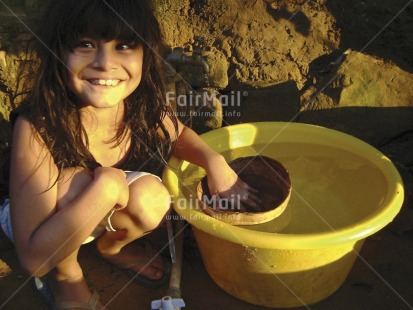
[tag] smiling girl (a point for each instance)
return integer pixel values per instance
(95, 112)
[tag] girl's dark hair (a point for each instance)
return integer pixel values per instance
(51, 106)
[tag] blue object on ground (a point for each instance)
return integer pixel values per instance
(167, 303)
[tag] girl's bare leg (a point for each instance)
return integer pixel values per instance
(67, 282)
(66, 279)
(149, 202)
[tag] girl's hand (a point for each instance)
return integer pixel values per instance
(225, 186)
(114, 181)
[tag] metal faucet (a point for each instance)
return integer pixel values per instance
(178, 56)
(187, 72)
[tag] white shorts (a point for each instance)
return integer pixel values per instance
(105, 224)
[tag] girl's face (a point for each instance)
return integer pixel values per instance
(103, 73)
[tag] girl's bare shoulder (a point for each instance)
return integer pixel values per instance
(29, 153)
(24, 130)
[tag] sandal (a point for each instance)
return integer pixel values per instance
(44, 290)
(146, 260)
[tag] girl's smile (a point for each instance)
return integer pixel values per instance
(103, 73)
(104, 82)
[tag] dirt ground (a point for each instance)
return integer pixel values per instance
(381, 279)
(303, 37)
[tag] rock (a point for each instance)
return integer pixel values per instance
(372, 82)
(363, 96)
(360, 81)
(218, 69)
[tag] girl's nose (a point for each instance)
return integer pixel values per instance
(105, 58)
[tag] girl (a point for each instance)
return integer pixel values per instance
(96, 108)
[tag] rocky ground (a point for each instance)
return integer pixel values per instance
(346, 65)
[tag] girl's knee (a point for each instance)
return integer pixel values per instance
(149, 201)
(71, 183)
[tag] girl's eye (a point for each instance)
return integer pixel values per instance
(126, 46)
(84, 45)
(122, 46)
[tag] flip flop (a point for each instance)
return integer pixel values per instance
(142, 280)
(147, 282)
(44, 290)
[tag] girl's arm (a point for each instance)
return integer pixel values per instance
(222, 180)
(43, 234)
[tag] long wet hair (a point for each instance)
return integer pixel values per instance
(53, 108)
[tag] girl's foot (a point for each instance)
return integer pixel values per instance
(71, 291)
(142, 261)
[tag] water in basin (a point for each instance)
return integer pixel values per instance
(331, 188)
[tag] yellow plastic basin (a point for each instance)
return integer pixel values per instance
(343, 191)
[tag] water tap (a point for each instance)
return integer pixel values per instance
(179, 57)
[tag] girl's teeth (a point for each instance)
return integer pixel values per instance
(105, 82)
